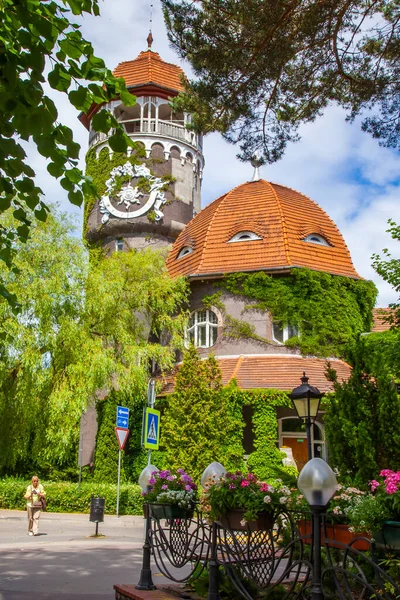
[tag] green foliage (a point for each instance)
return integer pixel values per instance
(197, 423)
(65, 497)
(106, 453)
(33, 37)
(214, 300)
(362, 418)
(77, 332)
(266, 460)
(264, 67)
(388, 268)
(329, 310)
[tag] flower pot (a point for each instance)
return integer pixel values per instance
(334, 532)
(389, 536)
(234, 520)
(169, 511)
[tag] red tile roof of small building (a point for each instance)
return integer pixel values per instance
(279, 215)
(380, 318)
(149, 68)
(272, 372)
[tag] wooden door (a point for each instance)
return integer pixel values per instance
(299, 448)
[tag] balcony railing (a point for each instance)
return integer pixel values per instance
(169, 129)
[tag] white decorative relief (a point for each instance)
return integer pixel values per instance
(130, 196)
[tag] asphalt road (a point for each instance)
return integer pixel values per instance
(64, 562)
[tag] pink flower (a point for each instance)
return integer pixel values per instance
(264, 487)
(374, 484)
(245, 483)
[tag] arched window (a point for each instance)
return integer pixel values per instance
(203, 328)
(244, 236)
(184, 251)
(281, 334)
(314, 238)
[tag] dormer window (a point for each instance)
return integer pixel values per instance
(245, 236)
(280, 333)
(184, 251)
(119, 245)
(314, 238)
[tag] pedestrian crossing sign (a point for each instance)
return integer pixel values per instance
(152, 429)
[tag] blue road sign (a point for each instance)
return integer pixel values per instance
(152, 429)
(122, 417)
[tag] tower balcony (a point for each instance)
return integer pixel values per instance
(137, 128)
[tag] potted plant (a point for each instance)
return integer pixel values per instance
(379, 512)
(239, 501)
(337, 524)
(171, 495)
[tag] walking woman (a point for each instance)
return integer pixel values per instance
(34, 493)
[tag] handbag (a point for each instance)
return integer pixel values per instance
(36, 504)
(43, 503)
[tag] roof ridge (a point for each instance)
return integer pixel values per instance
(237, 367)
(284, 227)
(221, 198)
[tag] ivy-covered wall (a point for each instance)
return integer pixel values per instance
(329, 311)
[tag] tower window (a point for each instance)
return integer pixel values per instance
(119, 245)
(314, 238)
(281, 334)
(203, 328)
(244, 236)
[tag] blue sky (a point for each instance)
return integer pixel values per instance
(337, 165)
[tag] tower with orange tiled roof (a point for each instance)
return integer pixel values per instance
(137, 208)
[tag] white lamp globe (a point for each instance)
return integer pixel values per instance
(317, 482)
(213, 472)
(145, 477)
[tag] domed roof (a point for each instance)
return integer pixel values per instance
(278, 229)
(149, 69)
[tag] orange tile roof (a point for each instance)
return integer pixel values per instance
(272, 372)
(281, 216)
(148, 68)
(380, 317)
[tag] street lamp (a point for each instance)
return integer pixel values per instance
(317, 483)
(306, 399)
(146, 580)
(214, 471)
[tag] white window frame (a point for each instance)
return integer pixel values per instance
(184, 251)
(303, 435)
(315, 238)
(251, 236)
(119, 242)
(207, 323)
(285, 329)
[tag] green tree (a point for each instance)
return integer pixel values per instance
(363, 415)
(39, 44)
(263, 67)
(195, 423)
(388, 267)
(79, 331)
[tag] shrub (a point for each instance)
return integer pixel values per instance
(66, 498)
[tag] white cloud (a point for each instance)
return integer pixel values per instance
(343, 169)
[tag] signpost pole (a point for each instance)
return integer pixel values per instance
(119, 476)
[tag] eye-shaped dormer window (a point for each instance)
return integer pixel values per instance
(314, 238)
(184, 251)
(245, 236)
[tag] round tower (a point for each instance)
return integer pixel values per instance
(150, 202)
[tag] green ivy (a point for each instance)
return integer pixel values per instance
(329, 310)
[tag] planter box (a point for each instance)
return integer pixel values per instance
(389, 536)
(334, 533)
(232, 520)
(169, 511)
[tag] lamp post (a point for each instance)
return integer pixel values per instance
(317, 482)
(146, 580)
(213, 472)
(306, 399)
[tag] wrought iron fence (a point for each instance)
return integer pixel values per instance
(272, 559)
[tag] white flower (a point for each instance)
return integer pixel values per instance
(283, 499)
(267, 499)
(243, 522)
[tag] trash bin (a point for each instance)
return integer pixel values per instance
(97, 509)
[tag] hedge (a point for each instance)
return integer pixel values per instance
(64, 497)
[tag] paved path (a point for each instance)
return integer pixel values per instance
(64, 562)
